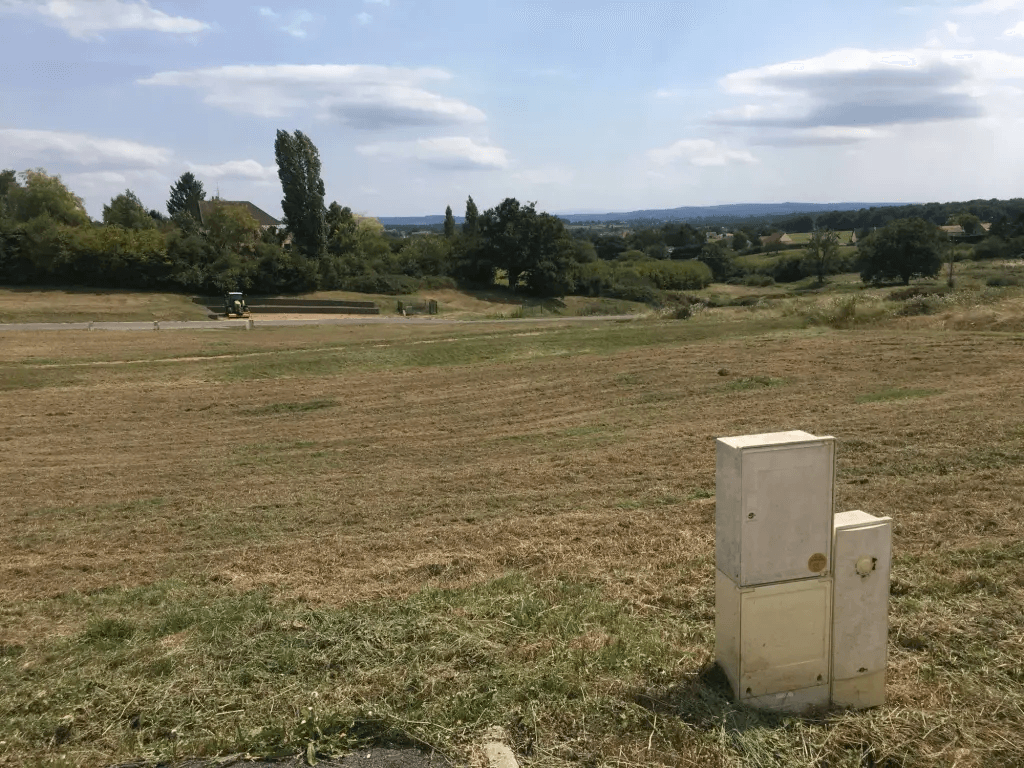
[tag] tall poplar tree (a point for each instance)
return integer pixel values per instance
(471, 226)
(449, 223)
(298, 167)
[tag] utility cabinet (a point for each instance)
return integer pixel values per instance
(861, 551)
(773, 511)
(773, 641)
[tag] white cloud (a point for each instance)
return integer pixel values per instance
(855, 88)
(244, 169)
(364, 18)
(700, 152)
(42, 147)
(295, 25)
(1015, 31)
(449, 153)
(86, 19)
(363, 96)
(819, 135)
(990, 6)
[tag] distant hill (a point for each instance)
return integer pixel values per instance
(685, 213)
(732, 211)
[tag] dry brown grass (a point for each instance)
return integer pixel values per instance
(339, 466)
(32, 305)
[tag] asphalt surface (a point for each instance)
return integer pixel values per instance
(201, 325)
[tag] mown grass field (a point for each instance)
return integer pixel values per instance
(55, 305)
(217, 543)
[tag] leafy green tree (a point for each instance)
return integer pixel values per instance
(127, 211)
(685, 241)
(533, 249)
(739, 240)
(341, 230)
(298, 168)
(821, 252)
(718, 261)
(426, 255)
(40, 194)
(904, 248)
(471, 226)
(186, 194)
(585, 252)
(449, 223)
(8, 180)
(970, 223)
(231, 228)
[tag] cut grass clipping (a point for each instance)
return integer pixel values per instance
(276, 408)
(897, 394)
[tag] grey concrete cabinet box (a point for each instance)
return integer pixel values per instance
(860, 625)
(773, 509)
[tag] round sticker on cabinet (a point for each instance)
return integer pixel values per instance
(817, 562)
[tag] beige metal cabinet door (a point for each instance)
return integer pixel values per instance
(862, 552)
(786, 513)
(785, 637)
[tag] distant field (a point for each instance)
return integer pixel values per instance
(32, 305)
(805, 237)
(299, 540)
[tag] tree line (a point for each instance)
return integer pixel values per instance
(211, 246)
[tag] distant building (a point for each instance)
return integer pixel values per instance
(262, 218)
(776, 237)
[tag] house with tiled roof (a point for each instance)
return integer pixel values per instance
(262, 218)
(776, 237)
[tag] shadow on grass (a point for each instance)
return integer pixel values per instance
(505, 296)
(703, 699)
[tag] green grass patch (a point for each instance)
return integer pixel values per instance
(753, 382)
(175, 669)
(14, 377)
(505, 345)
(896, 394)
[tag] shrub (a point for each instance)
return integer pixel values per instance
(844, 312)
(391, 285)
(1002, 281)
(675, 275)
(757, 281)
(912, 291)
(993, 247)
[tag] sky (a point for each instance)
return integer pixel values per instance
(578, 106)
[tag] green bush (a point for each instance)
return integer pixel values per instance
(1003, 281)
(390, 285)
(993, 247)
(675, 275)
(913, 291)
(757, 281)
